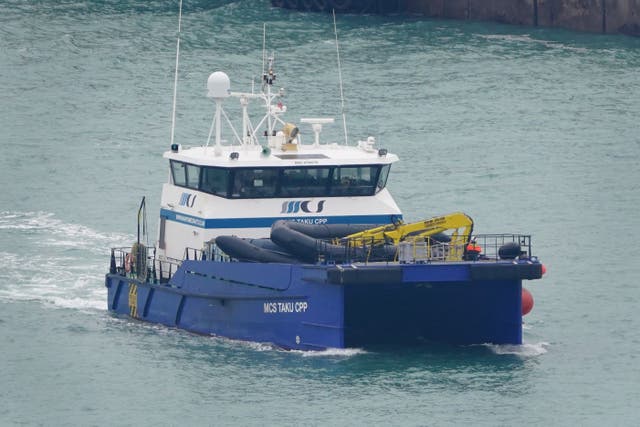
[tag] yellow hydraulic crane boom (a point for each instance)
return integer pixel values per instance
(395, 233)
(460, 224)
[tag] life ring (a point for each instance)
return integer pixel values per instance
(128, 261)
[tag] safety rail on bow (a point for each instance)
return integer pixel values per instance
(136, 263)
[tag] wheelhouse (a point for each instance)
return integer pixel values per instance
(274, 182)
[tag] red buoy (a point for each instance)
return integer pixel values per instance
(527, 301)
(544, 270)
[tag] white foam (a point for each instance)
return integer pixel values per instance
(329, 352)
(257, 346)
(334, 352)
(523, 350)
(82, 304)
(56, 263)
(525, 38)
(59, 233)
(268, 347)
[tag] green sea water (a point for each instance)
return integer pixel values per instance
(528, 130)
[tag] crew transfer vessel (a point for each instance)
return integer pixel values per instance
(269, 233)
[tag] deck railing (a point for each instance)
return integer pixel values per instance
(494, 247)
(146, 266)
(142, 265)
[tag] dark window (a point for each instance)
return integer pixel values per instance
(193, 176)
(179, 172)
(254, 183)
(246, 183)
(304, 182)
(215, 181)
(354, 180)
(382, 179)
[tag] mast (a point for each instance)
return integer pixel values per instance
(175, 81)
(268, 78)
(344, 116)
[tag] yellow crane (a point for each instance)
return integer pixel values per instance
(460, 225)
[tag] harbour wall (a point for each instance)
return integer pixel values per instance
(601, 16)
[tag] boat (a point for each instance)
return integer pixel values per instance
(268, 233)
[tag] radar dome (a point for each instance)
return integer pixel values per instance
(219, 85)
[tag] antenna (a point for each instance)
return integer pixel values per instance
(264, 45)
(142, 220)
(175, 81)
(344, 117)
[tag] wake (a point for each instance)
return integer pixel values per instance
(53, 262)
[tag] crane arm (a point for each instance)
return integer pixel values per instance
(461, 223)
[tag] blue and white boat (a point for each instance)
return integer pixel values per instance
(268, 233)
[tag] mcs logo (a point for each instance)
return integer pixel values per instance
(295, 206)
(187, 200)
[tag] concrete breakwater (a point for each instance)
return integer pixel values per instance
(603, 16)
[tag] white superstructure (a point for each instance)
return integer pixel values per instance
(265, 172)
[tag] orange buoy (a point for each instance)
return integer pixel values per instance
(527, 301)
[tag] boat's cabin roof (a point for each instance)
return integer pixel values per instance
(297, 155)
(252, 172)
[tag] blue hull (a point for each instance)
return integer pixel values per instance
(313, 307)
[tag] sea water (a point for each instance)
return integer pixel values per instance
(527, 130)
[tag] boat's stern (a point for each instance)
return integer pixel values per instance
(457, 303)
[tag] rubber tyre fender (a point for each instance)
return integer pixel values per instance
(510, 250)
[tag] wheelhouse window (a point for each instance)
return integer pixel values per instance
(382, 178)
(249, 183)
(193, 176)
(255, 183)
(354, 180)
(179, 173)
(215, 181)
(304, 182)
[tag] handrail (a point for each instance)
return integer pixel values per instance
(157, 270)
(494, 247)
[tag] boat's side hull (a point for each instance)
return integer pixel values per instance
(248, 301)
(316, 307)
